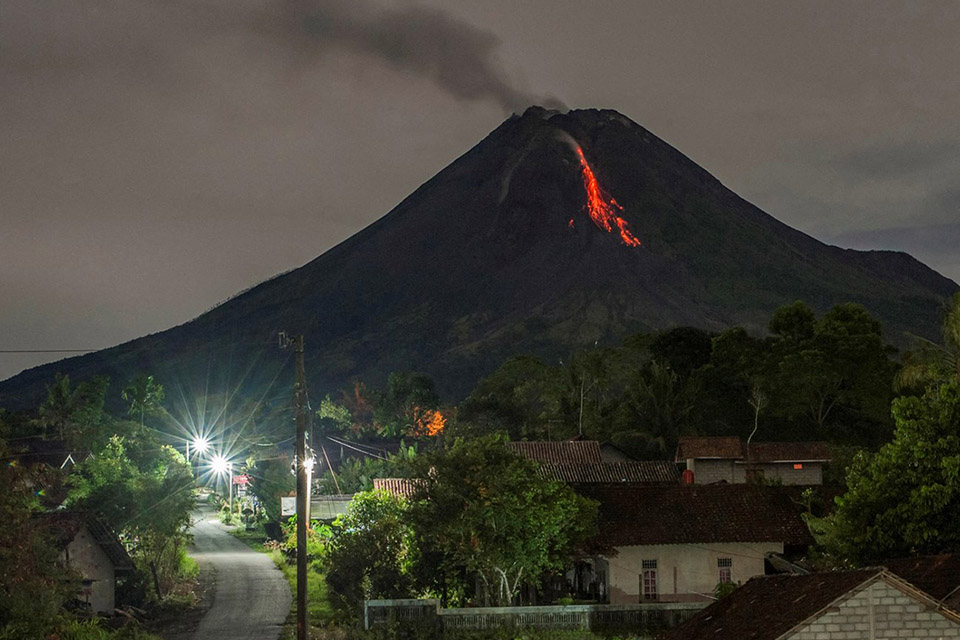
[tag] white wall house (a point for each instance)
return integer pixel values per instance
(676, 543)
(91, 550)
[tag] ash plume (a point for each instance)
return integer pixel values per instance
(423, 41)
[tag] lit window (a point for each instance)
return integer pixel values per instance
(798, 465)
(725, 569)
(649, 579)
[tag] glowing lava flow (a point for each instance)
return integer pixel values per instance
(603, 211)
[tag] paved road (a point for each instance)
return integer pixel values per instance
(251, 598)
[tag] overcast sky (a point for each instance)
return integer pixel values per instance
(157, 156)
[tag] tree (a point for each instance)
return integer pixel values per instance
(34, 584)
(368, 551)
(144, 491)
(483, 511)
(74, 413)
(144, 395)
(408, 404)
(932, 364)
(904, 500)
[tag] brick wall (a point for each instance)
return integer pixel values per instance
(878, 612)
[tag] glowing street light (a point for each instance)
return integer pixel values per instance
(200, 445)
(221, 466)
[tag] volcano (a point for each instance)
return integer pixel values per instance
(555, 232)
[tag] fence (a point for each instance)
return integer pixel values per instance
(637, 618)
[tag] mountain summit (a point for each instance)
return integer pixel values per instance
(557, 231)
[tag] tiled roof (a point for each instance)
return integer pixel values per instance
(63, 527)
(397, 486)
(939, 575)
(566, 452)
(716, 447)
(786, 451)
(732, 448)
(697, 514)
(768, 606)
(652, 472)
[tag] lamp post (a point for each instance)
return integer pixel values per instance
(200, 446)
(222, 466)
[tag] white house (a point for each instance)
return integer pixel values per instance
(676, 543)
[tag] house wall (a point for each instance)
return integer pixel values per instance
(685, 573)
(708, 471)
(812, 472)
(879, 611)
(87, 558)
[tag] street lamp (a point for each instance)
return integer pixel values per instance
(222, 466)
(200, 445)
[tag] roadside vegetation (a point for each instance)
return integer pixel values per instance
(120, 473)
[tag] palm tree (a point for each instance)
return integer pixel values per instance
(933, 363)
(144, 396)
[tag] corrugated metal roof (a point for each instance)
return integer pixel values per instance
(566, 452)
(652, 472)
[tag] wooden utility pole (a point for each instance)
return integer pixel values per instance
(303, 483)
(303, 493)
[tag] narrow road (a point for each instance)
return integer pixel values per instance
(251, 598)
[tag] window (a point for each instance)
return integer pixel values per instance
(798, 466)
(648, 578)
(725, 569)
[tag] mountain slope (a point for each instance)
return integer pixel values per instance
(497, 255)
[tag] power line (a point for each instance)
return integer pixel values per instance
(48, 350)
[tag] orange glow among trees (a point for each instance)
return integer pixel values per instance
(427, 422)
(603, 208)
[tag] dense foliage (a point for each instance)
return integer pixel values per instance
(117, 472)
(905, 499)
(479, 513)
(828, 378)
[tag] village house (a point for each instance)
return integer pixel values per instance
(588, 462)
(874, 604)
(676, 543)
(728, 459)
(89, 548)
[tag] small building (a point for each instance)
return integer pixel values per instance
(728, 459)
(93, 551)
(676, 543)
(874, 604)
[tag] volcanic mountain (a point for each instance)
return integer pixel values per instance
(557, 231)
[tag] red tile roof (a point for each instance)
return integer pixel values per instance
(767, 607)
(717, 447)
(404, 487)
(566, 452)
(937, 575)
(786, 452)
(697, 514)
(731, 448)
(650, 472)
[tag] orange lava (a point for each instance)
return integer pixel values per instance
(602, 208)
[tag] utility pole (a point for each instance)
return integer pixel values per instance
(303, 483)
